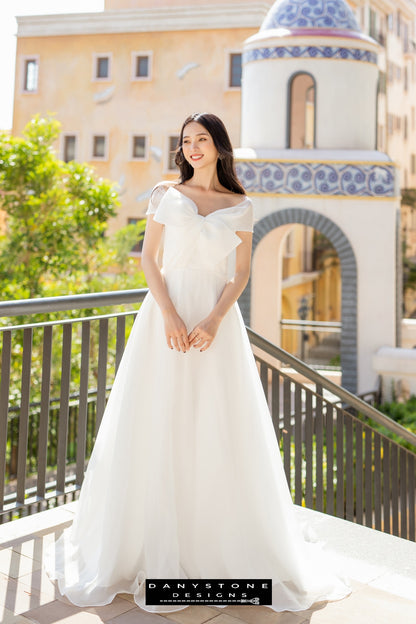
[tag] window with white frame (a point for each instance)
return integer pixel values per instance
(30, 74)
(138, 147)
(373, 23)
(289, 245)
(69, 147)
(99, 147)
(234, 70)
(102, 66)
(390, 21)
(172, 145)
(141, 66)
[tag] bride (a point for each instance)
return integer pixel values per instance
(186, 480)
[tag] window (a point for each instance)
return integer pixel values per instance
(380, 137)
(390, 21)
(102, 67)
(398, 72)
(390, 71)
(137, 248)
(406, 79)
(405, 127)
(302, 112)
(172, 144)
(139, 147)
(99, 147)
(406, 38)
(413, 164)
(398, 24)
(382, 82)
(235, 70)
(289, 244)
(390, 123)
(373, 24)
(141, 66)
(30, 74)
(69, 147)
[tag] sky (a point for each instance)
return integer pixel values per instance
(8, 28)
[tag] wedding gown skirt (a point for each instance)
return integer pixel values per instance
(186, 479)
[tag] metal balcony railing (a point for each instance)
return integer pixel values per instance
(337, 450)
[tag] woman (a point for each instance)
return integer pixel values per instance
(186, 479)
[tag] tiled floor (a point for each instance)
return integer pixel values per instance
(382, 570)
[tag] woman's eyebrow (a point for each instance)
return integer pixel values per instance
(186, 136)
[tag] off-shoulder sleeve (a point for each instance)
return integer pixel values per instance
(156, 196)
(243, 219)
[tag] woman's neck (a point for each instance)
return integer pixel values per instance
(205, 179)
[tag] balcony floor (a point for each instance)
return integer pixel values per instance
(382, 569)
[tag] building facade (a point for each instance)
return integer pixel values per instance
(110, 76)
(122, 81)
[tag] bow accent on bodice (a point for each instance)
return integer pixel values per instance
(192, 239)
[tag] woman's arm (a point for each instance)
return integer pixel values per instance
(204, 333)
(175, 329)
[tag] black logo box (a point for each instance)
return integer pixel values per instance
(208, 591)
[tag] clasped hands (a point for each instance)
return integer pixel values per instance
(200, 337)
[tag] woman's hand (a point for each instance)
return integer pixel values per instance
(203, 333)
(176, 332)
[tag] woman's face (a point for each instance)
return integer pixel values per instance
(198, 146)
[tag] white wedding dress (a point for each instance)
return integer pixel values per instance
(186, 479)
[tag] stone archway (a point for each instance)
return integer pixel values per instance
(348, 276)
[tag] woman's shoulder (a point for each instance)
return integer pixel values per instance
(164, 184)
(157, 194)
(235, 198)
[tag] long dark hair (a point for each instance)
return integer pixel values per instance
(225, 163)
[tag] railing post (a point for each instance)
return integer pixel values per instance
(64, 407)
(4, 407)
(83, 403)
(44, 411)
(24, 415)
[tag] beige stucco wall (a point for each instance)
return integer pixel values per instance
(155, 108)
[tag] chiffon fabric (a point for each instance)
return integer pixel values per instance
(186, 479)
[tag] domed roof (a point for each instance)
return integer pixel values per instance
(310, 14)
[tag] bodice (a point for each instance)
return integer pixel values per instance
(194, 241)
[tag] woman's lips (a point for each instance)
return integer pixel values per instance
(196, 157)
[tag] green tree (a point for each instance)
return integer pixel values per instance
(56, 212)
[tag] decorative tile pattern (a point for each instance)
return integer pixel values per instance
(326, 52)
(314, 178)
(310, 14)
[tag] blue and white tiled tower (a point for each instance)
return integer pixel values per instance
(309, 155)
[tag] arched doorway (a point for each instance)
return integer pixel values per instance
(310, 285)
(348, 278)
